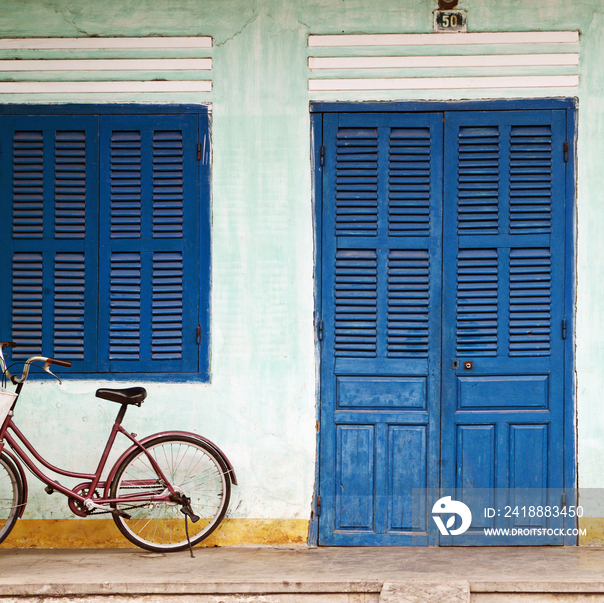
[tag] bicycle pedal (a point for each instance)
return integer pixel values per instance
(49, 490)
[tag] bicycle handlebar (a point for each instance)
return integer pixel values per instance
(48, 362)
(65, 363)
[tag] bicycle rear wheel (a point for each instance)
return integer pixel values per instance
(194, 469)
(11, 495)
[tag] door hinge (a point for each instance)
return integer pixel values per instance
(320, 330)
(563, 499)
(318, 506)
(199, 334)
(322, 154)
(565, 151)
(199, 151)
(564, 328)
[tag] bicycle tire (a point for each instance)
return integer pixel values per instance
(11, 495)
(192, 466)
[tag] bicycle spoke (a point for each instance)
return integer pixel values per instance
(192, 469)
(155, 531)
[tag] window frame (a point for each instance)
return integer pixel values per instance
(204, 177)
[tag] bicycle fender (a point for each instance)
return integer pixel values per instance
(170, 433)
(19, 467)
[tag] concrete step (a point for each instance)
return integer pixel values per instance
(537, 592)
(408, 591)
(304, 575)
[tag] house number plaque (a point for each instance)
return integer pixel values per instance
(450, 21)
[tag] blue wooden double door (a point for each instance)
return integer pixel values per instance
(443, 322)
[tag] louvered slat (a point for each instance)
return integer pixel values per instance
(126, 185)
(478, 180)
(530, 302)
(70, 184)
(356, 181)
(125, 306)
(409, 182)
(167, 306)
(167, 184)
(356, 303)
(27, 304)
(408, 303)
(28, 192)
(477, 291)
(69, 296)
(530, 180)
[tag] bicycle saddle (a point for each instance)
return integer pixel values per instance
(131, 395)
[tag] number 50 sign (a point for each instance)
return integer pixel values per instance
(450, 21)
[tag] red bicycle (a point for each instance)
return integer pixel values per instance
(155, 488)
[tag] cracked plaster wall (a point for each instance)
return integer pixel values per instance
(260, 404)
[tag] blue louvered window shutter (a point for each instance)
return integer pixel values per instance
(49, 182)
(149, 244)
(106, 240)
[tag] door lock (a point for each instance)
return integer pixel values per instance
(467, 365)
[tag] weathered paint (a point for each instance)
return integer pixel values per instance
(594, 531)
(103, 533)
(260, 406)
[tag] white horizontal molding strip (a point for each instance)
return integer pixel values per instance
(502, 60)
(104, 43)
(98, 87)
(445, 83)
(524, 37)
(106, 65)
(59, 73)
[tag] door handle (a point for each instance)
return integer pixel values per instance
(467, 365)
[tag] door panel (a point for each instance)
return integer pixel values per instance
(503, 306)
(381, 349)
(407, 472)
(354, 500)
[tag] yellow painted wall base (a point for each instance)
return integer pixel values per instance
(595, 530)
(102, 533)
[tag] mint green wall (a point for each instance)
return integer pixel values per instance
(261, 404)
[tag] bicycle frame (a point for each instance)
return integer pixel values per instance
(165, 490)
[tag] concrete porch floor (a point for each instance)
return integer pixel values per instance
(287, 573)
